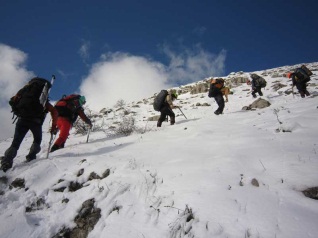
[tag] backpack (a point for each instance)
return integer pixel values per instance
(67, 106)
(159, 100)
(308, 72)
(29, 102)
(301, 76)
(218, 83)
(216, 87)
(258, 81)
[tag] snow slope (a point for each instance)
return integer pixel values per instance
(192, 179)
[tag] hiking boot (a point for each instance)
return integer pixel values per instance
(254, 95)
(54, 148)
(159, 124)
(5, 165)
(307, 93)
(30, 157)
(302, 94)
(217, 112)
(172, 121)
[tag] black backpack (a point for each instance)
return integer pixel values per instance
(301, 76)
(259, 81)
(159, 100)
(30, 101)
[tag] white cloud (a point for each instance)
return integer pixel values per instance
(122, 76)
(13, 75)
(195, 64)
(84, 50)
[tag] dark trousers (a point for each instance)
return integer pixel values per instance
(220, 101)
(302, 89)
(257, 90)
(21, 129)
(166, 111)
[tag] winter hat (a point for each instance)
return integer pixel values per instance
(82, 100)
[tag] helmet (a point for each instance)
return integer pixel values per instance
(174, 95)
(82, 100)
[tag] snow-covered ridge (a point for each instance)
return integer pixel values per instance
(240, 174)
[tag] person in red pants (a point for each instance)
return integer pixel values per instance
(69, 108)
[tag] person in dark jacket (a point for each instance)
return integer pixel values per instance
(34, 124)
(66, 118)
(301, 84)
(215, 92)
(166, 109)
(256, 86)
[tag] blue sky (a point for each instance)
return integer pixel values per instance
(74, 38)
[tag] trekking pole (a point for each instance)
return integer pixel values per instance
(50, 143)
(89, 130)
(181, 112)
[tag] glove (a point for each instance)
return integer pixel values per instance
(54, 130)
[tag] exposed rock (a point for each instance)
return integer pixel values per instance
(80, 172)
(106, 173)
(105, 111)
(203, 104)
(288, 91)
(238, 80)
(65, 200)
(86, 219)
(278, 86)
(74, 186)
(39, 204)
(311, 193)
(93, 175)
(255, 182)
(260, 103)
(18, 183)
(200, 88)
(154, 118)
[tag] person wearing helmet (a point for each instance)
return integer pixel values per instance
(166, 109)
(69, 108)
(300, 80)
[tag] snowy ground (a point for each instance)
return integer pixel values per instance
(192, 179)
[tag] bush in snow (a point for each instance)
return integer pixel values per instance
(120, 103)
(126, 126)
